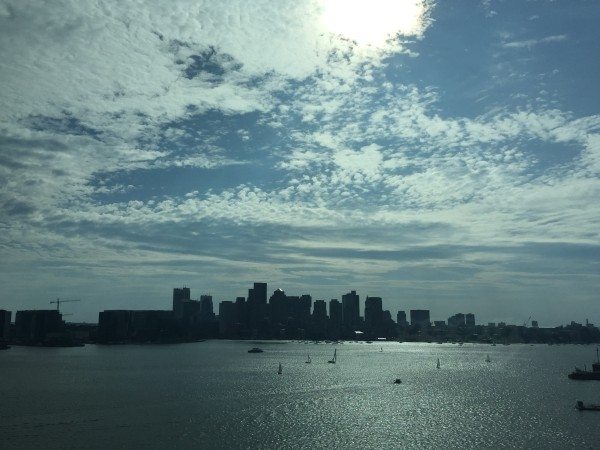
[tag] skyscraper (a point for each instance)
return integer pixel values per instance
(351, 309)
(373, 313)
(401, 319)
(335, 312)
(180, 295)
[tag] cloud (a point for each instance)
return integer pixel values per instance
(530, 43)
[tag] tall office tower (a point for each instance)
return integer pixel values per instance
(206, 308)
(304, 305)
(420, 318)
(373, 313)
(260, 293)
(470, 320)
(351, 309)
(227, 318)
(401, 319)
(335, 312)
(320, 309)
(180, 295)
(241, 314)
(278, 306)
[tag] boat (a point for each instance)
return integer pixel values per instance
(280, 370)
(255, 350)
(334, 359)
(438, 363)
(487, 358)
(397, 381)
(594, 374)
(586, 407)
(308, 361)
(381, 350)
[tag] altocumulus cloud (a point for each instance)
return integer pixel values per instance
(214, 143)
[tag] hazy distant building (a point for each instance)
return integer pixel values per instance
(5, 317)
(456, 321)
(419, 318)
(401, 319)
(351, 310)
(534, 324)
(470, 320)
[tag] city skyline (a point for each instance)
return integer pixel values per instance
(439, 155)
(362, 300)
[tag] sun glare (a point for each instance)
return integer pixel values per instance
(373, 22)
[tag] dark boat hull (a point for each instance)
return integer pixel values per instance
(584, 375)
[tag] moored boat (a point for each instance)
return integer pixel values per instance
(594, 374)
(255, 350)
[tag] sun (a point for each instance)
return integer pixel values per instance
(373, 22)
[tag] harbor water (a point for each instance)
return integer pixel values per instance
(215, 394)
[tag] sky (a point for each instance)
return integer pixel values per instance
(441, 155)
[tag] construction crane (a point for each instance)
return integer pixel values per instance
(526, 322)
(58, 301)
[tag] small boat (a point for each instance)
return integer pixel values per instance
(488, 359)
(334, 359)
(585, 374)
(308, 361)
(397, 381)
(255, 350)
(381, 350)
(586, 407)
(280, 370)
(438, 363)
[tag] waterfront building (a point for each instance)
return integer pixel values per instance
(227, 318)
(36, 326)
(5, 317)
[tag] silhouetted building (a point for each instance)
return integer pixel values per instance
(470, 320)
(114, 326)
(534, 324)
(351, 310)
(5, 317)
(227, 318)
(206, 308)
(373, 314)
(180, 295)
(320, 309)
(151, 325)
(401, 319)
(419, 318)
(36, 326)
(456, 321)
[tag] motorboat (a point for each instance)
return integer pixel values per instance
(586, 407)
(255, 350)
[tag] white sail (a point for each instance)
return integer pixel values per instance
(280, 370)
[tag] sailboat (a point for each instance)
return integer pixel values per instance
(280, 370)
(438, 363)
(487, 358)
(381, 350)
(308, 361)
(334, 359)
